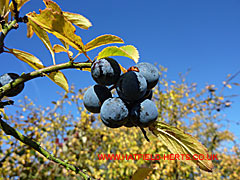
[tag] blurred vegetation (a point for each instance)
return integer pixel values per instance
(71, 133)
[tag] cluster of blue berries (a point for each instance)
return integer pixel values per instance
(133, 106)
(8, 78)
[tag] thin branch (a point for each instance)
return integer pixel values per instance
(38, 73)
(36, 146)
(5, 30)
(228, 80)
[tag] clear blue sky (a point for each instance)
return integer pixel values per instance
(201, 35)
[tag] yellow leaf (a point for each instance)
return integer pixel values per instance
(229, 86)
(52, 5)
(30, 31)
(132, 51)
(43, 36)
(122, 69)
(59, 78)
(142, 173)
(193, 110)
(35, 63)
(221, 98)
(178, 142)
(4, 5)
(58, 25)
(28, 58)
(78, 20)
(103, 40)
(20, 3)
(126, 51)
(57, 48)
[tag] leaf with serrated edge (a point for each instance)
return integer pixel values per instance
(179, 142)
(103, 40)
(57, 77)
(131, 50)
(142, 173)
(59, 26)
(52, 5)
(118, 51)
(43, 36)
(78, 20)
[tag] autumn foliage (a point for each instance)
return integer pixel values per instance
(63, 141)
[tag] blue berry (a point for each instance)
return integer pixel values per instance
(95, 96)
(105, 71)
(149, 72)
(114, 112)
(8, 78)
(144, 114)
(131, 86)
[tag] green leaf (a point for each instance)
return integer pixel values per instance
(28, 58)
(78, 20)
(43, 36)
(179, 142)
(103, 40)
(141, 173)
(126, 51)
(58, 25)
(57, 77)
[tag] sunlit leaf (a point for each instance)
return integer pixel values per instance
(28, 58)
(20, 3)
(78, 20)
(103, 40)
(122, 69)
(55, 23)
(30, 31)
(35, 63)
(59, 78)
(126, 51)
(179, 142)
(65, 44)
(52, 5)
(229, 86)
(4, 5)
(141, 173)
(132, 51)
(43, 36)
(57, 48)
